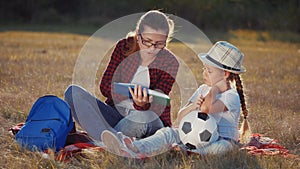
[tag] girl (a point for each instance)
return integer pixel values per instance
(222, 65)
(142, 59)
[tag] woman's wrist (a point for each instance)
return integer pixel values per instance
(144, 107)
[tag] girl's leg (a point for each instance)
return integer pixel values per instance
(158, 143)
(219, 147)
(139, 124)
(90, 113)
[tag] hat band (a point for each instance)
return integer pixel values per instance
(220, 64)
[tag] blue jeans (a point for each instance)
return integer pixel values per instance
(95, 116)
(139, 124)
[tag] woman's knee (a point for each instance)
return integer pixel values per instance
(142, 116)
(71, 91)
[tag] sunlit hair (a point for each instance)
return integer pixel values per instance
(235, 78)
(155, 20)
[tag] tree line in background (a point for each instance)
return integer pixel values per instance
(206, 14)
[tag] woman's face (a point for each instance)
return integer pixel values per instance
(151, 41)
(212, 75)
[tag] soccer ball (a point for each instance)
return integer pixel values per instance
(198, 129)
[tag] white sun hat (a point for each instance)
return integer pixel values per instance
(225, 56)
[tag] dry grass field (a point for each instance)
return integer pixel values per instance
(33, 64)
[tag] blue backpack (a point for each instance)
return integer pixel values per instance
(47, 126)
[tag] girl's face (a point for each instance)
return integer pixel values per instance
(212, 75)
(151, 41)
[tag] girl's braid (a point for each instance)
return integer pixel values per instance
(239, 88)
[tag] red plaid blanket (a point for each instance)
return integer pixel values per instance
(261, 145)
(79, 141)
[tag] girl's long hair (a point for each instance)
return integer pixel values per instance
(239, 87)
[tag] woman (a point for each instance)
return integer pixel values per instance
(222, 67)
(141, 59)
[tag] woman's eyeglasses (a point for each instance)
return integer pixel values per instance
(158, 45)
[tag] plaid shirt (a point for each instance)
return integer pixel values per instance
(121, 68)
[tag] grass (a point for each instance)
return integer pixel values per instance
(87, 29)
(33, 64)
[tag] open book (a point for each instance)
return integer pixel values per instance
(158, 97)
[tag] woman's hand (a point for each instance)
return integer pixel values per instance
(140, 96)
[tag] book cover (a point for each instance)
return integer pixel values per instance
(158, 97)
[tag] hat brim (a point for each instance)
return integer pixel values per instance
(205, 60)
